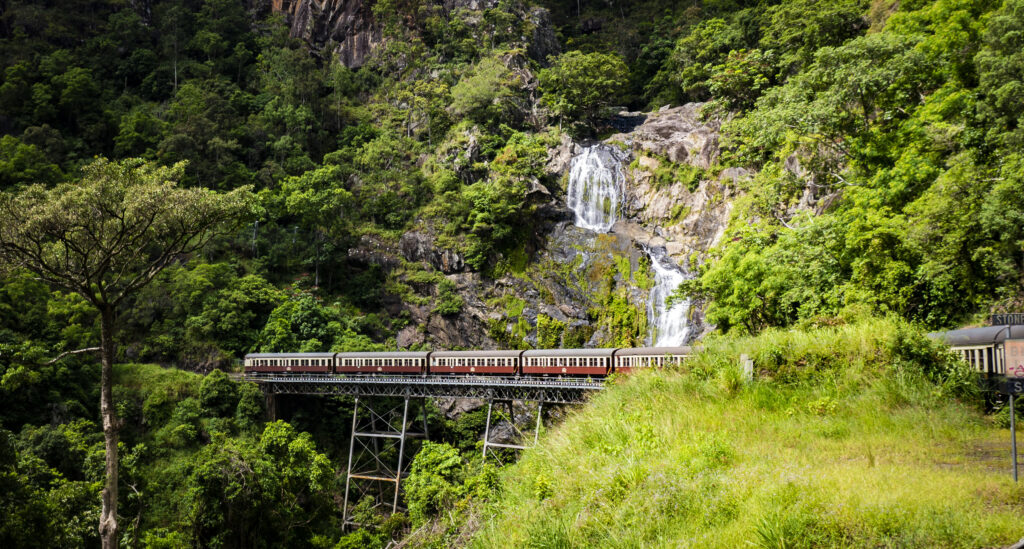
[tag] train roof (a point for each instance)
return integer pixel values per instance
(986, 335)
(290, 355)
(654, 351)
(569, 352)
(386, 354)
(468, 354)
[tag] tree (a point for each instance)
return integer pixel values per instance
(105, 237)
(583, 86)
(435, 481)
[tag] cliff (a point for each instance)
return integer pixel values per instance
(347, 25)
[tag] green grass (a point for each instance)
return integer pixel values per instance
(862, 436)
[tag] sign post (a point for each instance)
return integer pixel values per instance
(1013, 437)
(1013, 359)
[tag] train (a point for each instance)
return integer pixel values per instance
(537, 362)
(983, 348)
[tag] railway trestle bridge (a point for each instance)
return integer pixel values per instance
(386, 430)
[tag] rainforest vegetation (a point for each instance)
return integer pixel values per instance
(885, 138)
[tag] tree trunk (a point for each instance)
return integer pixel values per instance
(108, 514)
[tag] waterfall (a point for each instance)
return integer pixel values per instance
(596, 186)
(670, 326)
(596, 189)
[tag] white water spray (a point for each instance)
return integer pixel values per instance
(595, 189)
(670, 326)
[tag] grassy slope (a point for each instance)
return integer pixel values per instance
(849, 445)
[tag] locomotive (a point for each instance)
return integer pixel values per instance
(538, 362)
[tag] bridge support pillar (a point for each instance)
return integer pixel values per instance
(271, 406)
(520, 436)
(380, 447)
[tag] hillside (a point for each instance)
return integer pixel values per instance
(857, 436)
(514, 174)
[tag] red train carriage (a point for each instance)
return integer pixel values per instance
(382, 363)
(307, 363)
(641, 358)
(479, 362)
(586, 362)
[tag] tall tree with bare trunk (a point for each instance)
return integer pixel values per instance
(104, 237)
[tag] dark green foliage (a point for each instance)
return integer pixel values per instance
(904, 132)
(448, 302)
(583, 86)
(250, 409)
(217, 394)
(435, 481)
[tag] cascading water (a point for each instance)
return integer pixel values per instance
(670, 326)
(596, 186)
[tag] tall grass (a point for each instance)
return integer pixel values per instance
(855, 436)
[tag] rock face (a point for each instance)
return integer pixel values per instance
(350, 27)
(689, 218)
(349, 24)
(676, 133)
(418, 246)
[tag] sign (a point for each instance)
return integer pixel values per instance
(1012, 387)
(1014, 355)
(1008, 319)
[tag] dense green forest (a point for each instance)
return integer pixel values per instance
(885, 139)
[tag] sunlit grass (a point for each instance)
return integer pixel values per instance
(869, 453)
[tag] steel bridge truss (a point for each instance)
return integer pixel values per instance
(520, 439)
(381, 446)
(535, 389)
(385, 436)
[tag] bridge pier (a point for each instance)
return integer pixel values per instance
(271, 406)
(380, 436)
(512, 421)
